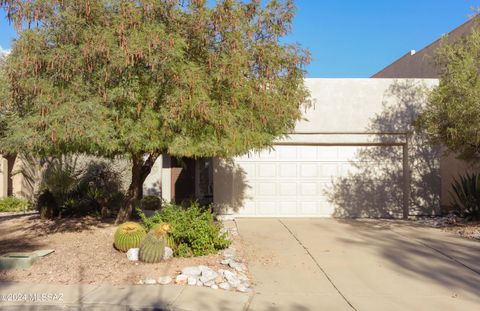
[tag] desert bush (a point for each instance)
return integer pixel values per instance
(150, 202)
(66, 190)
(466, 193)
(194, 231)
(13, 204)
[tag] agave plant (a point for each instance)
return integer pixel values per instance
(466, 193)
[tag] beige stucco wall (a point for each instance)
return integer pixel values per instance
(355, 112)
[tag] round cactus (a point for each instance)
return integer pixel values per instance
(128, 235)
(152, 248)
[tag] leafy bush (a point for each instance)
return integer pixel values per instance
(13, 204)
(68, 191)
(466, 192)
(150, 202)
(194, 231)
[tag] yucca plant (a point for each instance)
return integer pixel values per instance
(466, 193)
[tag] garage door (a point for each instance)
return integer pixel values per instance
(293, 181)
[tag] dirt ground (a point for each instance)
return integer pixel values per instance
(468, 230)
(84, 253)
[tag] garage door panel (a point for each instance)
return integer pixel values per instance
(267, 188)
(309, 170)
(288, 169)
(308, 189)
(295, 181)
(328, 170)
(288, 189)
(307, 153)
(267, 170)
(266, 208)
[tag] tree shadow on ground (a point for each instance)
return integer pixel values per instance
(413, 254)
(374, 187)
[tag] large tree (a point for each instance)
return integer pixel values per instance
(452, 115)
(139, 78)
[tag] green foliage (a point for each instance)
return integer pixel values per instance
(135, 77)
(67, 190)
(150, 202)
(193, 230)
(452, 115)
(13, 204)
(144, 77)
(466, 193)
(128, 235)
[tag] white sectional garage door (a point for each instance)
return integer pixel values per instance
(290, 181)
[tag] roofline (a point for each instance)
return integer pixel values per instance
(474, 19)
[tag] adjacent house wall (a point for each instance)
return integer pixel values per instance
(417, 65)
(421, 65)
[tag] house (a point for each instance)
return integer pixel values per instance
(354, 154)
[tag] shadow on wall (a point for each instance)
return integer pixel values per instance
(374, 188)
(231, 192)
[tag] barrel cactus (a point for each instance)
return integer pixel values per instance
(152, 247)
(128, 235)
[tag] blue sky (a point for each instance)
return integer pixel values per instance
(356, 38)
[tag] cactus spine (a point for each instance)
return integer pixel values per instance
(128, 235)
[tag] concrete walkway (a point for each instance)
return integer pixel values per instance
(113, 298)
(326, 264)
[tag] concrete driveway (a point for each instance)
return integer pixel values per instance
(326, 264)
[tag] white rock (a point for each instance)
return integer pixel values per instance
(226, 261)
(242, 288)
(214, 286)
(168, 253)
(229, 253)
(204, 268)
(132, 254)
(181, 279)
(149, 281)
(192, 280)
(224, 285)
(164, 280)
(199, 283)
(208, 275)
(209, 283)
(192, 271)
(240, 267)
(232, 278)
(242, 277)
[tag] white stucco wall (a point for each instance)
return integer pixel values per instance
(351, 112)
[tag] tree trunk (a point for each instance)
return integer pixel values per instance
(140, 170)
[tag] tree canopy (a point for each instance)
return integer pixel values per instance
(130, 77)
(142, 77)
(452, 115)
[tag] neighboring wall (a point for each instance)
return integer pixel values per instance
(358, 112)
(421, 65)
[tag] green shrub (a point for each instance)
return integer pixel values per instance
(13, 204)
(194, 231)
(66, 190)
(150, 202)
(466, 193)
